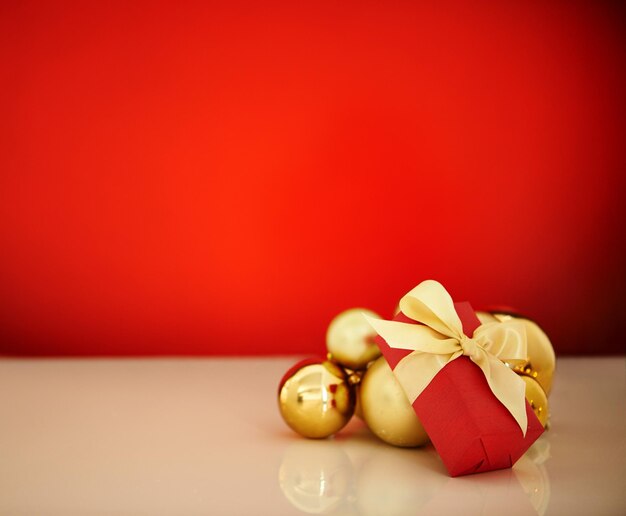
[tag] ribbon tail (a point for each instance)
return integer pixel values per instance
(509, 388)
(415, 371)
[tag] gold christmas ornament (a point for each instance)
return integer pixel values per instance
(350, 339)
(386, 409)
(537, 399)
(316, 399)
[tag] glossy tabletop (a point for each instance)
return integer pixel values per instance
(204, 436)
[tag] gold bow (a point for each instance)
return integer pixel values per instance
(440, 339)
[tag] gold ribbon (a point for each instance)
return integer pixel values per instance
(440, 339)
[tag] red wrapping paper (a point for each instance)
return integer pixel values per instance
(470, 429)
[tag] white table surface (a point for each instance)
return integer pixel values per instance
(204, 436)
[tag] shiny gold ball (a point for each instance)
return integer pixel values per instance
(541, 358)
(316, 399)
(537, 399)
(386, 409)
(350, 339)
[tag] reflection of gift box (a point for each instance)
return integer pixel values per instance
(470, 429)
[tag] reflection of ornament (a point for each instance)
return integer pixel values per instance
(532, 474)
(537, 399)
(315, 398)
(386, 409)
(541, 358)
(316, 479)
(350, 339)
(539, 452)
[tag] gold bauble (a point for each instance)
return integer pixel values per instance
(350, 339)
(386, 409)
(541, 358)
(537, 399)
(315, 398)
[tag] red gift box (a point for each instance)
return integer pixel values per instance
(468, 426)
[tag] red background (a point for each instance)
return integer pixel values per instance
(192, 178)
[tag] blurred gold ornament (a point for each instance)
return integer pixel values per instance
(350, 339)
(537, 399)
(386, 409)
(316, 399)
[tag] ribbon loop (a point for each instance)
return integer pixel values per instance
(439, 339)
